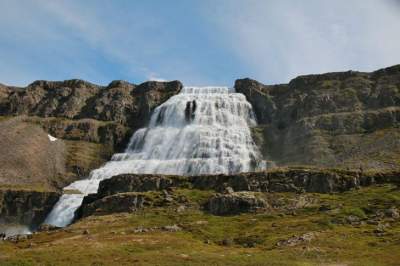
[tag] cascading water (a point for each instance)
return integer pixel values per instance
(202, 130)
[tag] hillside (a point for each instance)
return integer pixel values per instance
(28, 156)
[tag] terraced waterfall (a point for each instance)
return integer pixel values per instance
(202, 130)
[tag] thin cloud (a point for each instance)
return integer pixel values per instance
(198, 43)
(281, 39)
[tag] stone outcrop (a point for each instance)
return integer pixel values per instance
(139, 183)
(235, 203)
(345, 119)
(280, 180)
(26, 207)
(121, 202)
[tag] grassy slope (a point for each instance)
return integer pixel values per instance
(112, 241)
(80, 158)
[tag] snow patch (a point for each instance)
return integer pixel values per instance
(51, 138)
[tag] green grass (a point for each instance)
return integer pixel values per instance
(252, 237)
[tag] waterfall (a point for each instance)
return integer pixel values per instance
(202, 130)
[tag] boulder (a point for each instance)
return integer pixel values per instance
(121, 202)
(235, 203)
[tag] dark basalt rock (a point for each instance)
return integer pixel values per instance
(235, 203)
(138, 183)
(121, 202)
(26, 207)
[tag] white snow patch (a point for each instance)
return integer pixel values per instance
(51, 138)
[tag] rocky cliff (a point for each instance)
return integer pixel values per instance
(86, 111)
(26, 206)
(345, 119)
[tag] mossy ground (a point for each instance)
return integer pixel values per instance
(112, 239)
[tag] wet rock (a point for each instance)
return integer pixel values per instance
(234, 203)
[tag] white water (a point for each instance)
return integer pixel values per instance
(202, 130)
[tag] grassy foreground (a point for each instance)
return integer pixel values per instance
(347, 229)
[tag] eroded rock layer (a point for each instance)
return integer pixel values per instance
(344, 119)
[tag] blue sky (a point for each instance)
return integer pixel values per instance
(203, 42)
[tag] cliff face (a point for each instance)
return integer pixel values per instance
(86, 111)
(26, 207)
(345, 119)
